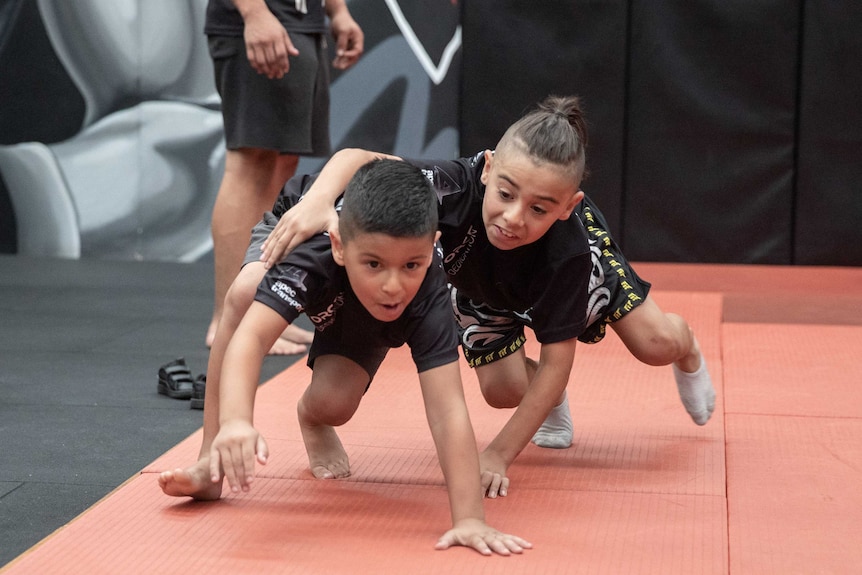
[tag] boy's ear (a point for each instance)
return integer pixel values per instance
(576, 198)
(433, 248)
(486, 169)
(337, 246)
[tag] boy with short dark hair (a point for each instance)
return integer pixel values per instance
(376, 283)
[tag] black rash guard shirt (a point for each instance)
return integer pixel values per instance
(309, 281)
(548, 280)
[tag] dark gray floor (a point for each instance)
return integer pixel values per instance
(81, 342)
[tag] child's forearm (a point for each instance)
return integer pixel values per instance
(459, 460)
(454, 439)
(544, 392)
(239, 379)
(517, 432)
(243, 358)
(336, 173)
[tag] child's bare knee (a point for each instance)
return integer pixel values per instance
(335, 418)
(657, 357)
(314, 411)
(501, 395)
(241, 292)
(664, 347)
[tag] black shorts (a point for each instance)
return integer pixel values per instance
(328, 343)
(289, 114)
(488, 334)
(259, 233)
(615, 289)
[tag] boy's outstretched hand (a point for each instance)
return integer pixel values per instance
(234, 450)
(483, 538)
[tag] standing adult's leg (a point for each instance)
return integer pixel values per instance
(252, 181)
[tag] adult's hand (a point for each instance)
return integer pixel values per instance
(267, 43)
(349, 40)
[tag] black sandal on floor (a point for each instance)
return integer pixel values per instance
(199, 388)
(175, 380)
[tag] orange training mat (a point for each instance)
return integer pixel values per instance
(642, 490)
(794, 448)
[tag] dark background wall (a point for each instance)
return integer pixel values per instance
(722, 131)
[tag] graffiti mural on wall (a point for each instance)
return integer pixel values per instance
(138, 178)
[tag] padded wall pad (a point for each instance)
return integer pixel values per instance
(710, 149)
(828, 210)
(642, 485)
(515, 54)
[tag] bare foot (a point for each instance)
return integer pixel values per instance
(194, 482)
(293, 341)
(326, 455)
(296, 334)
(286, 347)
(211, 331)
